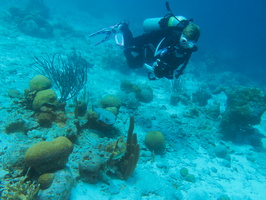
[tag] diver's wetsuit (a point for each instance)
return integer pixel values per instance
(140, 50)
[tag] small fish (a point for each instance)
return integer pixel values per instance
(105, 116)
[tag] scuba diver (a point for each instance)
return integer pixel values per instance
(164, 49)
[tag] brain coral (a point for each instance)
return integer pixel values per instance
(155, 141)
(110, 101)
(49, 156)
(145, 94)
(40, 82)
(44, 97)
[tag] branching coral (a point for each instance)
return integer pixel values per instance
(20, 189)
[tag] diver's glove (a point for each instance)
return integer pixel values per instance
(150, 70)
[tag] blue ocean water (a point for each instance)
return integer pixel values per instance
(232, 31)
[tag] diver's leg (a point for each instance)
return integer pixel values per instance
(133, 56)
(134, 59)
(127, 35)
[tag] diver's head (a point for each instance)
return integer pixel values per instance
(190, 36)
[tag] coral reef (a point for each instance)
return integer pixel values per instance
(129, 161)
(46, 180)
(183, 171)
(63, 182)
(245, 107)
(69, 74)
(110, 157)
(40, 82)
(14, 93)
(213, 111)
(49, 156)
(187, 176)
(143, 92)
(20, 188)
(201, 96)
(45, 97)
(222, 151)
(80, 108)
(175, 98)
(33, 19)
(155, 142)
(17, 125)
(13, 160)
(81, 103)
(92, 163)
(110, 101)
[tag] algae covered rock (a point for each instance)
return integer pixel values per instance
(155, 141)
(45, 97)
(14, 93)
(40, 82)
(49, 156)
(245, 106)
(13, 159)
(190, 178)
(187, 176)
(221, 151)
(91, 165)
(183, 171)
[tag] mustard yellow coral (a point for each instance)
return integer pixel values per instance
(155, 141)
(110, 101)
(49, 156)
(40, 82)
(45, 97)
(46, 180)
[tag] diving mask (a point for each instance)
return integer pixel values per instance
(186, 43)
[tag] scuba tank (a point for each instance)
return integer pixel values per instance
(155, 24)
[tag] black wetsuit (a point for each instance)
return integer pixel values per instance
(140, 50)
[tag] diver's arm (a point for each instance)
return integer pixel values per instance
(179, 72)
